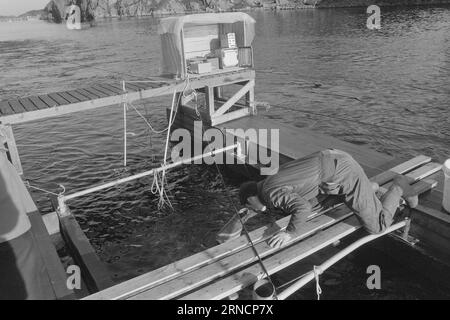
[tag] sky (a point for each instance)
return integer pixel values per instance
(17, 7)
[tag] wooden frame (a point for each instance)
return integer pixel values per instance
(223, 113)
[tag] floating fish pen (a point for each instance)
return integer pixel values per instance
(208, 68)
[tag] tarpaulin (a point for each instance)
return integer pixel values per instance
(170, 31)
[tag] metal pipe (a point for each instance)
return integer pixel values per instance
(124, 125)
(340, 255)
(146, 173)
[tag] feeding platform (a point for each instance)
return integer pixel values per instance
(208, 65)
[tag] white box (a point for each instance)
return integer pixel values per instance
(201, 67)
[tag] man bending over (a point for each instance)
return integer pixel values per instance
(329, 172)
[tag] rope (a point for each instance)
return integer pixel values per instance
(158, 184)
(27, 184)
(317, 271)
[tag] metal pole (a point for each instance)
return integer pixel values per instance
(124, 128)
(340, 255)
(147, 173)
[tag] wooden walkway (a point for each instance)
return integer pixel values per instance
(103, 95)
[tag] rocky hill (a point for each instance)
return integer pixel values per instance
(55, 9)
(91, 9)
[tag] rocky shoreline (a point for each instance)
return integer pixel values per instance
(91, 9)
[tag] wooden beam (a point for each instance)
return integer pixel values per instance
(55, 271)
(238, 95)
(226, 287)
(93, 270)
(209, 93)
(229, 116)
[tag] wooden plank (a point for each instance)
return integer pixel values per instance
(89, 94)
(104, 90)
(96, 92)
(5, 108)
(16, 106)
(416, 161)
(27, 104)
(53, 265)
(60, 100)
(111, 88)
(422, 172)
(38, 102)
(229, 116)
(226, 287)
(94, 271)
(48, 101)
(68, 97)
(200, 259)
(78, 95)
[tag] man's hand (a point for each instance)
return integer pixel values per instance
(279, 239)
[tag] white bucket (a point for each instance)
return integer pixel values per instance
(446, 197)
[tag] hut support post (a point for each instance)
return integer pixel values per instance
(223, 113)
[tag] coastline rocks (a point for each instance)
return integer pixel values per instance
(91, 9)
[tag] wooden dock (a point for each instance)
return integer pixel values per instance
(108, 94)
(223, 270)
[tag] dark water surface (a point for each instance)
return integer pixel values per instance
(324, 61)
